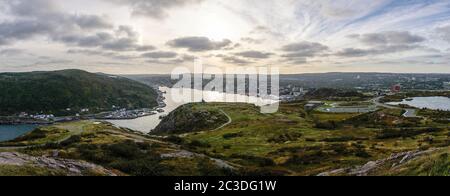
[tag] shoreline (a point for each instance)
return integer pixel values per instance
(15, 120)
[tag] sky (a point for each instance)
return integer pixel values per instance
(155, 36)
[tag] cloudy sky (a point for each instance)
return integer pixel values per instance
(154, 36)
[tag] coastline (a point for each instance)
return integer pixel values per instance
(16, 120)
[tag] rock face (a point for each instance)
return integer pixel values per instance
(190, 118)
(69, 167)
(392, 162)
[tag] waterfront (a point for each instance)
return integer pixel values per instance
(147, 123)
(432, 103)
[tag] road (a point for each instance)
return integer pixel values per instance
(377, 102)
(410, 113)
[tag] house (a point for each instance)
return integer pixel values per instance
(313, 105)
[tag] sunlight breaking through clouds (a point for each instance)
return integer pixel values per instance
(158, 35)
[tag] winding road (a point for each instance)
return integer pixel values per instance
(409, 112)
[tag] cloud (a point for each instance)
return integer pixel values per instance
(126, 44)
(121, 40)
(21, 30)
(85, 40)
(383, 43)
(304, 49)
(379, 50)
(252, 40)
(198, 44)
(234, 60)
(160, 55)
(254, 54)
(388, 38)
(11, 52)
(444, 33)
(90, 52)
(157, 9)
(42, 18)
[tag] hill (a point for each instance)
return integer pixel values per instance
(191, 118)
(54, 92)
(89, 148)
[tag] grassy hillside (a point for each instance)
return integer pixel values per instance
(53, 92)
(119, 150)
(289, 142)
(191, 118)
(284, 143)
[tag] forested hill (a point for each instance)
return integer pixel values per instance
(56, 91)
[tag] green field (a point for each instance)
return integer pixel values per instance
(288, 141)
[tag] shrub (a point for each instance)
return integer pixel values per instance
(34, 135)
(328, 125)
(127, 150)
(232, 135)
(285, 137)
(198, 144)
(344, 139)
(149, 166)
(260, 161)
(362, 154)
(392, 133)
(174, 139)
(73, 139)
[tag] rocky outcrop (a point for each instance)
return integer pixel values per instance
(186, 154)
(69, 167)
(392, 162)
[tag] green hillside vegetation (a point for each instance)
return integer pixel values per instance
(120, 150)
(433, 164)
(290, 143)
(253, 144)
(54, 92)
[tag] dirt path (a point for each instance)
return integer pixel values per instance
(230, 120)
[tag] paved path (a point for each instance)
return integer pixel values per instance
(410, 113)
(377, 102)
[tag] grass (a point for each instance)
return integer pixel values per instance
(11, 170)
(117, 149)
(254, 133)
(434, 164)
(283, 143)
(50, 134)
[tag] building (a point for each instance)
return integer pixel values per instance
(396, 88)
(313, 105)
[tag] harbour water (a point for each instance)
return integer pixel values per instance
(184, 96)
(432, 103)
(9, 132)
